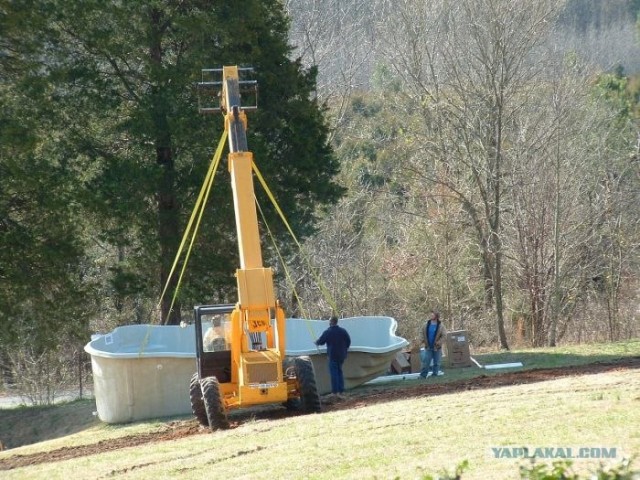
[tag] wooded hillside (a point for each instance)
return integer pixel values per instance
(490, 151)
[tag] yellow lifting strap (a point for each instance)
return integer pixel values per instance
(198, 211)
(284, 265)
(323, 288)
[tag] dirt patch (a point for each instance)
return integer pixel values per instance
(184, 428)
(171, 431)
(493, 381)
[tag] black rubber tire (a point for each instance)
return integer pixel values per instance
(306, 375)
(216, 413)
(197, 403)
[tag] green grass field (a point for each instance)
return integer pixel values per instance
(402, 438)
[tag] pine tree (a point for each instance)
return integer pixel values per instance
(120, 77)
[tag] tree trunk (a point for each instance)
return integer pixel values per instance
(168, 230)
(168, 233)
(502, 335)
(555, 305)
(487, 270)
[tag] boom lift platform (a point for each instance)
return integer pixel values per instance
(240, 348)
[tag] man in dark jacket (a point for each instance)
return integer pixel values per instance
(338, 342)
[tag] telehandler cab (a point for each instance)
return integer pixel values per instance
(240, 349)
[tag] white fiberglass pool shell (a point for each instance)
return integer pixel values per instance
(143, 371)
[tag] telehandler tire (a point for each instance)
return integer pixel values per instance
(309, 398)
(213, 404)
(197, 403)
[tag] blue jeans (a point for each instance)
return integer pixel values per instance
(429, 354)
(337, 378)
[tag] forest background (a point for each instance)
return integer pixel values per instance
(480, 158)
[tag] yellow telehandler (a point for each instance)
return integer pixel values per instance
(240, 349)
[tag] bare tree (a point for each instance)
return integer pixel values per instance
(468, 67)
(615, 226)
(493, 202)
(548, 232)
(337, 37)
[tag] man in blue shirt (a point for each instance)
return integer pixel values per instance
(432, 337)
(338, 342)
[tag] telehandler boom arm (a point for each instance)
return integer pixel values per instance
(249, 370)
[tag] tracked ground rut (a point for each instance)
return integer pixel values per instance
(184, 428)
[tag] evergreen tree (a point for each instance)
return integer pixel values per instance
(120, 77)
